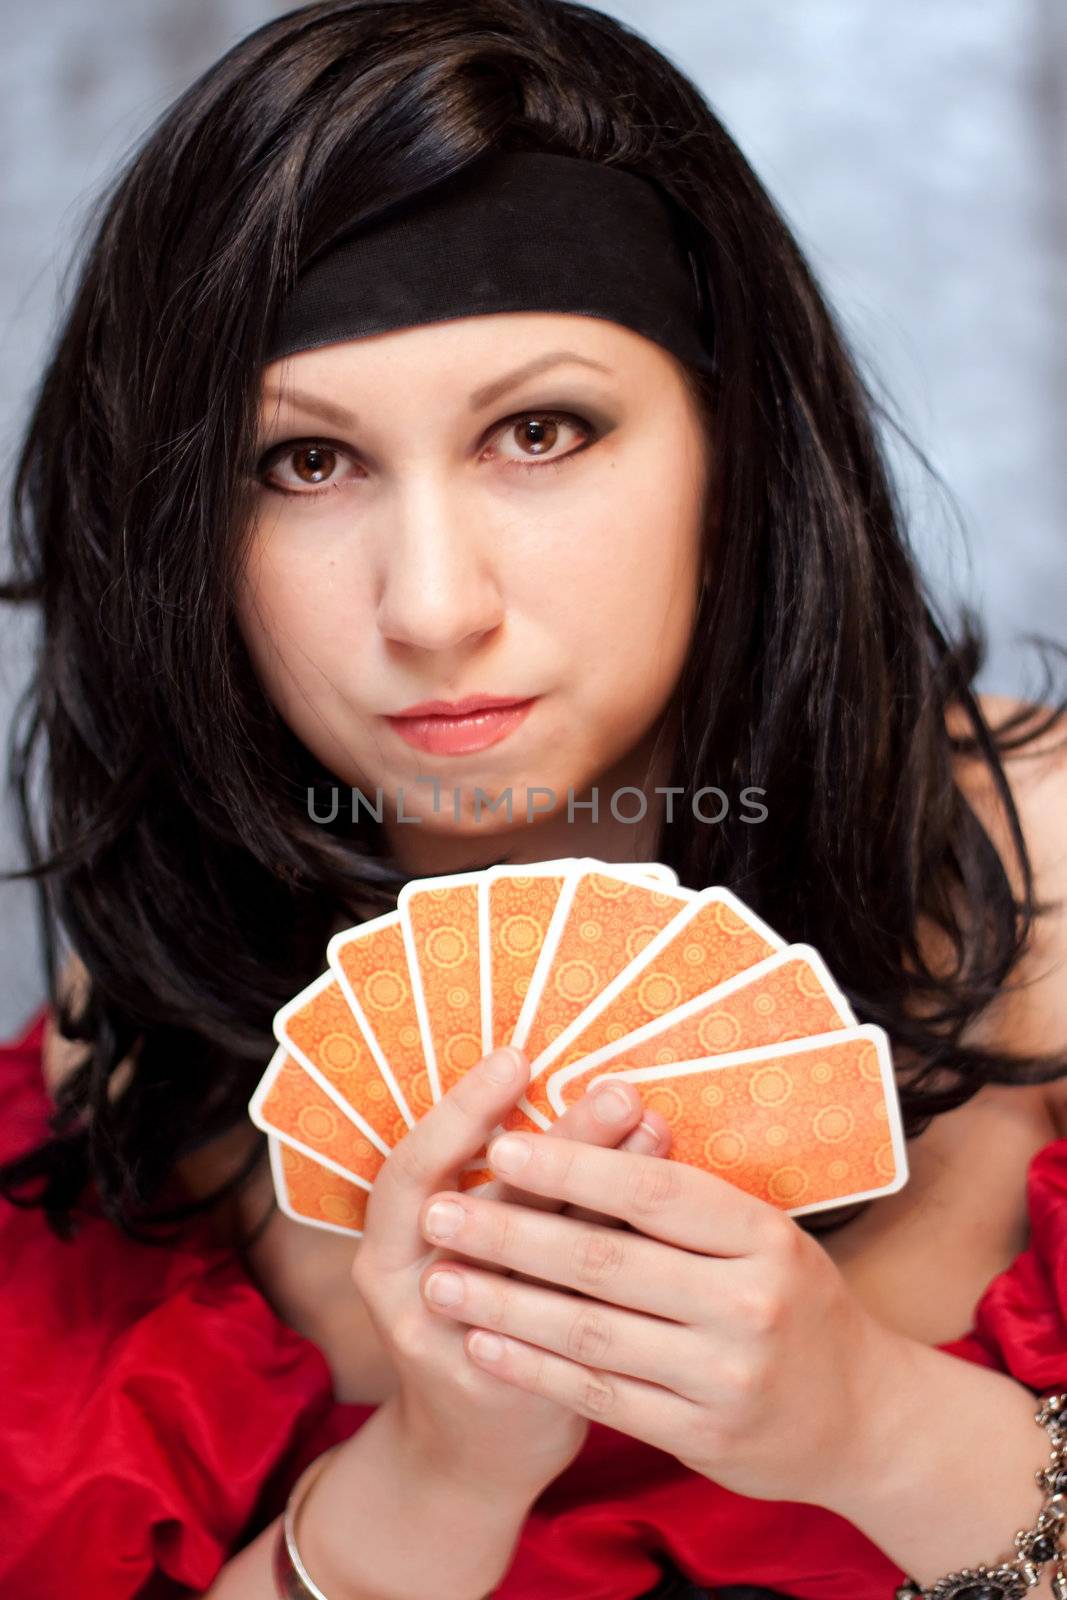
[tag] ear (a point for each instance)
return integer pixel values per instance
(59, 1056)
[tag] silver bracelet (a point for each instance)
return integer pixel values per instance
(291, 1578)
(1036, 1546)
(1010, 1580)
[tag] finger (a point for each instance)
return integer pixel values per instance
(596, 1119)
(651, 1137)
(604, 1116)
(431, 1153)
(643, 1410)
(600, 1117)
(597, 1335)
(667, 1200)
(608, 1264)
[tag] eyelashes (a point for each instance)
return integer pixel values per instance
(331, 452)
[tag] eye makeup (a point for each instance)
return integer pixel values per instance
(333, 452)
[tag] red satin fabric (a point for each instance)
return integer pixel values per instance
(154, 1413)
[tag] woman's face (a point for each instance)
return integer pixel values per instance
(509, 505)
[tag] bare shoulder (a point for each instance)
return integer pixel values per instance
(1031, 1015)
(1037, 771)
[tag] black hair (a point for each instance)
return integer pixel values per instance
(174, 848)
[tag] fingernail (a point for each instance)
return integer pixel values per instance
(610, 1105)
(445, 1288)
(486, 1346)
(444, 1218)
(510, 1152)
(644, 1138)
(502, 1065)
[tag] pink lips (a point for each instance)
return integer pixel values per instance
(460, 727)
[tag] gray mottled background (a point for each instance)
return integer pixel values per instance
(919, 152)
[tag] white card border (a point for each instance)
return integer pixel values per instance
(348, 936)
(447, 880)
(718, 992)
(840, 1036)
(281, 1192)
(281, 1018)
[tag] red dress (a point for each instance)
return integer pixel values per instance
(155, 1411)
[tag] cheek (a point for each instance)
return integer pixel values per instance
(295, 615)
(628, 590)
(261, 616)
(285, 627)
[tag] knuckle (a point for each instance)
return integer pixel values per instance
(565, 1158)
(465, 1380)
(651, 1186)
(408, 1334)
(539, 1373)
(589, 1338)
(743, 1382)
(598, 1255)
(362, 1270)
(596, 1397)
(503, 1229)
(460, 1113)
(466, 1098)
(759, 1307)
(411, 1160)
(782, 1239)
(495, 1309)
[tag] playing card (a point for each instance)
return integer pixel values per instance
(319, 1029)
(596, 970)
(294, 1105)
(713, 937)
(789, 995)
(439, 922)
(370, 963)
(310, 1192)
(604, 917)
(515, 906)
(805, 1125)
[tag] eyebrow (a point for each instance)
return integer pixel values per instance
(316, 406)
(325, 409)
(510, 380)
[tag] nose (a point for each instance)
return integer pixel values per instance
(440, 585)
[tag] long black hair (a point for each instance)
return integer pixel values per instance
(173, 845)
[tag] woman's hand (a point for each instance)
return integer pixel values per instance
(461, 1419)
(611, 1116)
(718, 1331)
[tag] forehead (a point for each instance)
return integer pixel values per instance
(462, 350)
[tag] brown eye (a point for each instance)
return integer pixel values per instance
(312, 463)
(306, 467)
(539, 433)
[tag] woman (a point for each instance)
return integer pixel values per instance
(681, 546)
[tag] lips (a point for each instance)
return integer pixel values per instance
(460, 708)
(465, 732)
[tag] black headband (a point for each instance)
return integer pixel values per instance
(523, 231)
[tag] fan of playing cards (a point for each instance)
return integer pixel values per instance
(743, 1043)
